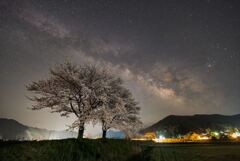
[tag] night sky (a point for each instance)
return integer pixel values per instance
(178, 57)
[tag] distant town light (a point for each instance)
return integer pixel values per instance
(203, 138)
(216, 133)
(235, 135)
(161, 137)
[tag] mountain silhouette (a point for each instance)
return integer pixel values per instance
(174, 125)
(12, 130)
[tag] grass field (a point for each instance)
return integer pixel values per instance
(116, 150)
(192, 152)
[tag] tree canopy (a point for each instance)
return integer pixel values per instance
(89, 92)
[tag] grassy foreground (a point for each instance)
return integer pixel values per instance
(69, 150)
(115, 150)
(193, 152)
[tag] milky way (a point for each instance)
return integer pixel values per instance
(177, 57)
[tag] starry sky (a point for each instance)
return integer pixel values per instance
(177, 57)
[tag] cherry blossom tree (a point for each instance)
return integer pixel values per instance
(120, 112)
(71, 89)
(91, 93)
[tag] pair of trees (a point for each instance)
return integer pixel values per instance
(91, 93)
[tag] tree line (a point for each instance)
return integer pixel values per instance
(92, 93)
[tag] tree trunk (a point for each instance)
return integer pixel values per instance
(80, 131)
(104, 129)
(104, 134)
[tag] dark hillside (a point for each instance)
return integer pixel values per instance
(185, 124)
(12, 130)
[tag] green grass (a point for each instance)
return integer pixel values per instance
(69, 150)
(115, 150)
(192, 152)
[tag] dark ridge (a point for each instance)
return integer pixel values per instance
(13, 130)
(175, 124)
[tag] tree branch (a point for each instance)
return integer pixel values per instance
(74, 111)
